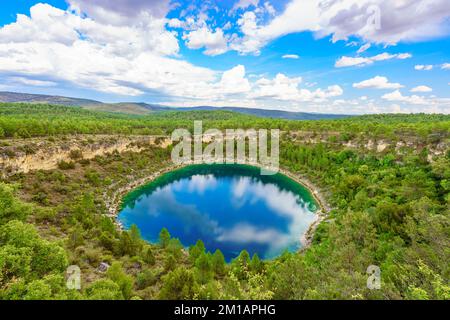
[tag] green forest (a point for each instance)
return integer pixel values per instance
(389, 208)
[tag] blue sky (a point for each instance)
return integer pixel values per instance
(348, 56)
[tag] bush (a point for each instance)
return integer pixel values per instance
(63, 165)
(104, 289)
(10, 207)
(148, 256)
(124, 281)
(145, 279)
(75, 154)
(178, 284)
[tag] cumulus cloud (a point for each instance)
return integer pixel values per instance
(377, 82)
(374, 21)
(121, 11)
(363, 61)
(131, 60)
(107, 47)
(421, 67)
(397, 96)
(421, 89)
(233, 81)
(214, 41)
(446, 66)
(290, 56)
(126, 60)
(284, 88)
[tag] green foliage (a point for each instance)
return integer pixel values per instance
(146, 278)
(174, 248)
(256, 265)
(178, 284)
(240, 265)
(164, 238)
(119, 277)
(196, 250)
(64, 165)
(170, 263)
(24, 254)
(204, 268)
(390, 209)
(218, 263)
(10, 207)
(148, 256)
(104, 289)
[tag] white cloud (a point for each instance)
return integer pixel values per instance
(132, 60)
(175, 23)
(106, 48)
(446, 66)
(421, 89)
(234, 81)
(363, 61)
(121, 11)
(126, 60)
(284, 88)
(412, 20)
(403, 56)
(397, 96)
(227, 26)
(246, 233)
(269, 8)
(244, 4)
(421, 67)
(377, 82)
(214, 42)
(290, 56)
(32, 82)
(200, 183)
(363, 48)
(281, 87)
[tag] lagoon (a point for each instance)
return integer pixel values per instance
(228, 206)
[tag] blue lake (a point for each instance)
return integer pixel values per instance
(228, 207)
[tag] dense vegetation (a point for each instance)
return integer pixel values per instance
(35, 120)
(390, 209)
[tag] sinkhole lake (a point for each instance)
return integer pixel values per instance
(228, 207)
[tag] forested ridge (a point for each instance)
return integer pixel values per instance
(34, 120)
(389, 209)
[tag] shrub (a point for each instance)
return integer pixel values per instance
(63, 165)
(178, 284)
(75, 154)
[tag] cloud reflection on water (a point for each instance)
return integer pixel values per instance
(222, 215)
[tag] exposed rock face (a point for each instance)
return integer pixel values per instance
(437, 147)
(43, 154)
(382, 145)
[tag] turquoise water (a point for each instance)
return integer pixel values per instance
(228, 207)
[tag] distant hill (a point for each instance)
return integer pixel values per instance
(42, 98)
(145, 108)
(277, 114)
